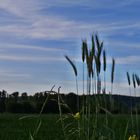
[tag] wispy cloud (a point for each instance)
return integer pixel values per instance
(36, 25)
(128, 60)
(21, 8)
(93, 4)
(13, 75)
(30, 58)
(124, 44)
(4, 46)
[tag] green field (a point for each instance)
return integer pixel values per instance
(12, 128)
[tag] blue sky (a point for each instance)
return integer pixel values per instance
(36, 34)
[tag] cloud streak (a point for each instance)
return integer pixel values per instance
(38, 26)
(133, 60)
(13, 75)
(30, 47)
(30, 58)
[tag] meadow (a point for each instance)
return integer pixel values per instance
(14, 128)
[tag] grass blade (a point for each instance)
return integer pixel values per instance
(31, 137)
(126, 130)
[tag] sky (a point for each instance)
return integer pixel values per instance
(36, 34)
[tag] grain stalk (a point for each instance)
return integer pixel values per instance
(75, 72)
(112, 81)
(136, 109)
(129, 83)
(104, 90)
(84, 49)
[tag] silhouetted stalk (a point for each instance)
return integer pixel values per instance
(84, 49)
(75, 72)
(134, 85)
(83, 103)
(89, 108)
(137, 81)
(87, 68)
(104, 68)
(112, 80)
(99, 47)
(93, 80)
(77, 94)
(136, 109)
(104, 90)
(83, 80)
(93, 64)
(129, 83)
(112, 73)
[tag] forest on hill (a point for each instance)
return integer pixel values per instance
(13, 103)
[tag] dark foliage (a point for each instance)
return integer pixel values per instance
(13, 103)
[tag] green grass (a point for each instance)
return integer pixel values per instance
(11, 128)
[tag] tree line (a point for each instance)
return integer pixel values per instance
(13, 103)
